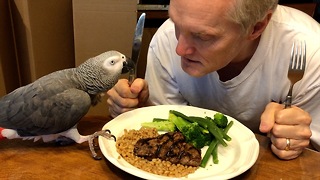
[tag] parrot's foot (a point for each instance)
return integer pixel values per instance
(64, 141)
(104, 133)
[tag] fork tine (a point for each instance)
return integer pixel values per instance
(292, 57)
(296, 67)
(298, 56)
(304, 53)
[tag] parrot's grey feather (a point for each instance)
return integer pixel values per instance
(56, 102)
(47, 106)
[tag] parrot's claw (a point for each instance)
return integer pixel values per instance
(104, 133)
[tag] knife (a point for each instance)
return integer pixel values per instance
(136, 47)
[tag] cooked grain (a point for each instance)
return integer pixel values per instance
(125, 145)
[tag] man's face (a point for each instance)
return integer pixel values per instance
(207, 41)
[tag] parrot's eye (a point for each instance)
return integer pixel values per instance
(112, 62)
(123, 57)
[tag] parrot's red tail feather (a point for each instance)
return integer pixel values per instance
(1, 136)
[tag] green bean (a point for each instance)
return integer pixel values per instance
(212, 127)
(215, 132)
(214, 154)
(205, 123)
(207, 155)
(177, 113)
(226, 130)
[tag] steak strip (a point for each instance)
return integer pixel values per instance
(171, 147)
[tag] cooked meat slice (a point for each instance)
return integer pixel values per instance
(149, 147)
(170, 147)
(191, 156)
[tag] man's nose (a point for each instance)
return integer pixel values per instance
(184, 46)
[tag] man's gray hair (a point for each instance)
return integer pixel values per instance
(246, 13)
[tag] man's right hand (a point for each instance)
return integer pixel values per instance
(123, 98)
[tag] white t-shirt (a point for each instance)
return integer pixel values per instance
(263, 79)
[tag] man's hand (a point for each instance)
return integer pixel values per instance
(289, 129)
(123, 98)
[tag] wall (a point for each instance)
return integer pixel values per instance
(43, 33)
(99, 26)
(9, 75)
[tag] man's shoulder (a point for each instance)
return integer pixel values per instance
(291, 16)
(165, 34)
(166, 27)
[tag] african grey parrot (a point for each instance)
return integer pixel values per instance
(52, 105)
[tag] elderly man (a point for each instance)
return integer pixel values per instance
(233, 57)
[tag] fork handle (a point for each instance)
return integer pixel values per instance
(132, 76)
(288, 101)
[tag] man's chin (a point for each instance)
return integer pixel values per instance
(193, 68)
(192, 71)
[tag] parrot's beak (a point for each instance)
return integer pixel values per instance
(128, 64)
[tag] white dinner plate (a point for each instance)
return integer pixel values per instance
(240, 154)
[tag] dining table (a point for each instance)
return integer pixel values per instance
(26, 159)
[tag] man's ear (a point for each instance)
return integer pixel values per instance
(260, 26)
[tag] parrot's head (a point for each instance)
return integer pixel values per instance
(127, 65)
(114, 62)
(100, 73)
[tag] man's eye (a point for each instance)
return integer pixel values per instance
(203, 37)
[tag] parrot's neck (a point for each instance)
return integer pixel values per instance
(90, 79)
(78, 79)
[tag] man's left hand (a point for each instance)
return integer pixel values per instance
(289, 129)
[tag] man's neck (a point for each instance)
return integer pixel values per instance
(233, 69)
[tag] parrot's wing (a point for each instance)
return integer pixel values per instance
(33, 111)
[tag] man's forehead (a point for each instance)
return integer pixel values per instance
(199, 9)
(196, 23)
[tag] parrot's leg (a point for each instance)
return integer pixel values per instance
(104, 133)
(74, 134)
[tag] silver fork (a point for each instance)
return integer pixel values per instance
(296, 67)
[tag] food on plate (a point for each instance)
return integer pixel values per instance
(221, 120)
(198, 131)
(194, 134)
(171, 147)
(125, 147)
(160, 125)
(207, 123)
(177, 151)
